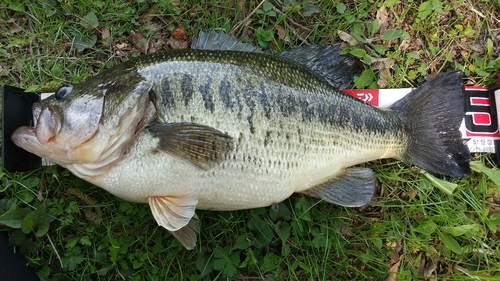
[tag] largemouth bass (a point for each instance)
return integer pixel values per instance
(234, 128)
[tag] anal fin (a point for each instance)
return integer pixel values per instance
(353, 188)
(177, 215)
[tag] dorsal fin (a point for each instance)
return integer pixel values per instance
(326, 61)
(221, 41)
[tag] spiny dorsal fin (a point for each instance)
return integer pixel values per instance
(198, 144)
(354, 188)
(221, 41)
(326, 61)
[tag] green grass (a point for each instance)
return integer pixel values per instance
(92, 235)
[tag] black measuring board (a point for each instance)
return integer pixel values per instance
(16, 112)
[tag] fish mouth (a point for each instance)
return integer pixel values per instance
(46, 125)
(46, 122)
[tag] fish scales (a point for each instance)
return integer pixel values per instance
(309, 136)
(226, 130)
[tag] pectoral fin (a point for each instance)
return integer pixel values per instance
(177, 214)
(198, 144)
(354, 188)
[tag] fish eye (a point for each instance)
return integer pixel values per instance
(63, 91)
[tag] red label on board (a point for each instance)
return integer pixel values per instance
(478, 120)
(480, 101)
(368, 96)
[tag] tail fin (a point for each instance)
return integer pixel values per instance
(432, 115)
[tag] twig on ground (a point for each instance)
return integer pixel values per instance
(247, 17)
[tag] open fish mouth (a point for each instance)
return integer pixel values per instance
(46, 122)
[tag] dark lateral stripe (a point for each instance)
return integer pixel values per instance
(248, 96)
(287, 102)
(264, 101)
(267, 138)
(166, 93)
(207, 96)
(225, 93)
(187, 88)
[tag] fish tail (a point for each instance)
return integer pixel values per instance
(432, 116)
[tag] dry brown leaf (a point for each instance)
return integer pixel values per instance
(106, 39)
(40, 193)
(379, 63)
(385, 66)
(393, 272)
(382, 19)
(404, 45)
(157, 42)
(177, 44)
(179, 33)
(93, 217)
(346, 231)
(396, 257)
(426, 267)
(14, 29)
(150, 15)
(139, 41)
(282, 33)
(121, 48)
(346, 37)
(243, 6)
(4, 72)
(383, 80)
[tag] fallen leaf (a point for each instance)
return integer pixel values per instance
(384, 65)
(157, 42)
(379, 63)
(396, 257)
(150, 15)
(346, 231)
(4, 72)
(383, 80)
(282, 33)
(14, 29)
(122, 46)
(426, 267)
(177, 44)
(139, 41)
(106, 39)
(242, 6)
(415, 45)
(346, 37)
(382, 19)
(179, 33)
(93, 217)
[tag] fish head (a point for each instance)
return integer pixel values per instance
(88, 122)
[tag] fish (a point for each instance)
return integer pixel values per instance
(226, 126)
